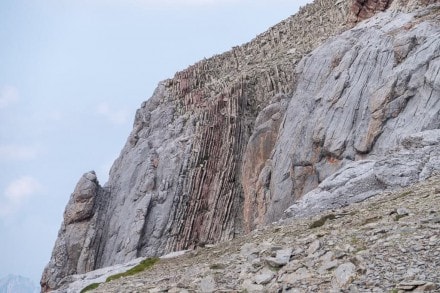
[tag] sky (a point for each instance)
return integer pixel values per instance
(72, 74)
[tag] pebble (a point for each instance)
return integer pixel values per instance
(314, 247)
(344, 274)
(264, 276)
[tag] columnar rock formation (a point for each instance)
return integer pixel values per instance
(231, 142)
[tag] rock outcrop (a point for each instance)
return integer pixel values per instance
(74, 250)
(357, 96)
(417, 159)
(363, 9)
(231, 142)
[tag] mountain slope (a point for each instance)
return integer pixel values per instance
(230, 143)
(388, 243)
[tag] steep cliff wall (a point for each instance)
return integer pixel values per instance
(357, 96)
(229, 143)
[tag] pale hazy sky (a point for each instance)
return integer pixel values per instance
(72, 74)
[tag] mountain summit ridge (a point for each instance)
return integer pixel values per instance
(228, 144)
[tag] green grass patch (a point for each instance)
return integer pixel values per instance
(90, 287)
(142, 266)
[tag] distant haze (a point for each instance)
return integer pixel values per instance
(17, 284)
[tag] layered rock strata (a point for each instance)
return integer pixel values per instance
(231, 142)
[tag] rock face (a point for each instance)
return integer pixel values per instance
(415, 160)
(357, 96)
(231, 142)
(363, 9)
(75, 249)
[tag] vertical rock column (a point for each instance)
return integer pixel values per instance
(73, 252)
(209, 206)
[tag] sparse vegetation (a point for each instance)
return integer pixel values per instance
(142, 266)
(90, 287)
(358, 243)
(321, 221)
(217, 266)
(398, 217)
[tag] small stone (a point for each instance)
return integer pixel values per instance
(256, 263)
(314, 247)
(328, 266)
(292, 266)
(428, 287)
(264, 276)
(298, 252)
(402, 212)
(207, 284)
(281, 259)
(353, 289)
(348, 248)
(276, 116)
(300, 274)
(411, 272)
(249, 251)
(328, 256)
(344, 274)
(251, 287)
(411, 285)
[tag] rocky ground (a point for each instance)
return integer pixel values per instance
(389, 243)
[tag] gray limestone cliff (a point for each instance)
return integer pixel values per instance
(231, 142)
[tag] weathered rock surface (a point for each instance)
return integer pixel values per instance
(363, 9)
(74, 249)
(231, 142)
(416, 160)
(357, 98)
(364, 247)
